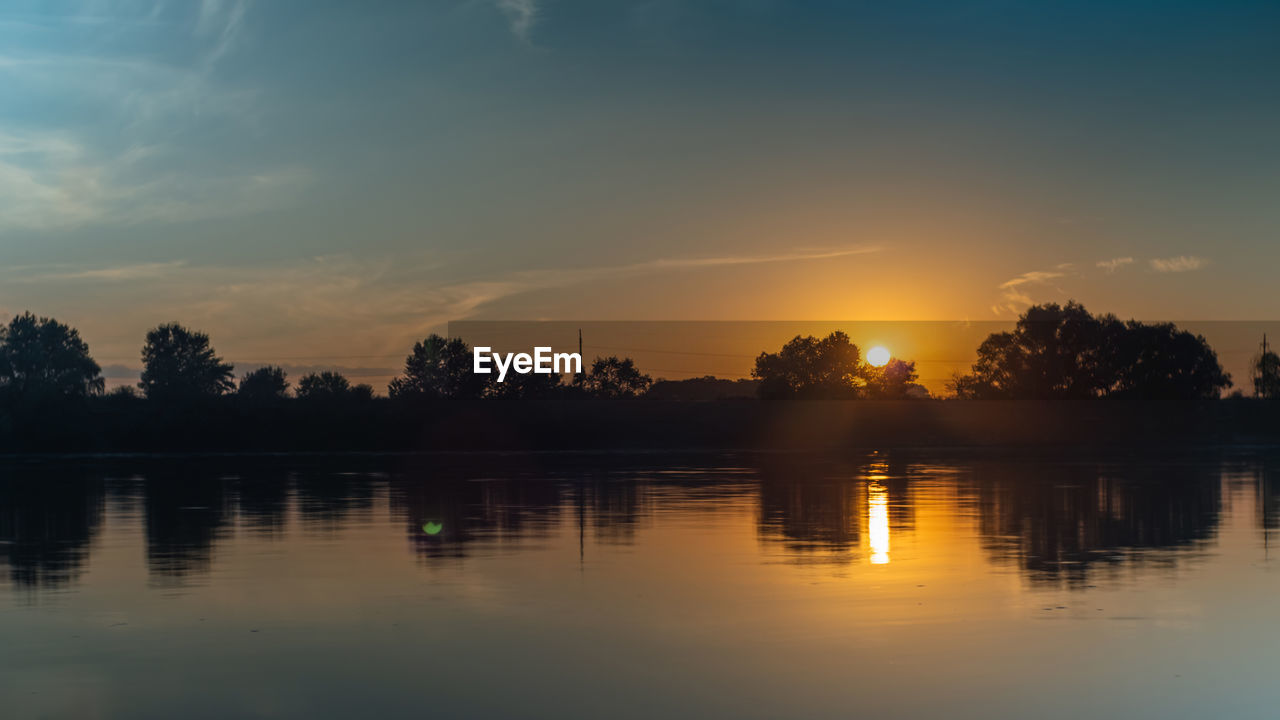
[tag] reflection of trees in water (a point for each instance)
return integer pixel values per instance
(262, 500)
(613, 506)
(187, 511)
(48, 519)
(1063, 523)
(810, 515)
(325, 500)
(1267, 475)
(816, 510)
(447, 512)
(1058, 524)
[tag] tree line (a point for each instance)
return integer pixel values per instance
(1053, 352)
(45, 363)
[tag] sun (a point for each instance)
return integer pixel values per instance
(878, 356)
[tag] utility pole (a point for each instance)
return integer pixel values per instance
(583, 368)
(1261, 371)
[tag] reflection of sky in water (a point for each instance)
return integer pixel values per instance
(1016, 588)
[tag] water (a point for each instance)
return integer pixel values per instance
(916, 585)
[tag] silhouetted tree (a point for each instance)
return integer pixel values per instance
(42, 360)
(1266, 375)
(895, 381)
(613, 377)
(439, 367)
(123, 393)
(1064, 352)
(1053, 351)
(264, 385)
(702, 389)
(180, 364)
(527, 385)
(329, 385)
(1161, 362)
(123, 398)
(807, 367)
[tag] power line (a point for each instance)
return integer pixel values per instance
(670, 352)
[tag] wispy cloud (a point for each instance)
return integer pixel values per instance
(378, 305)
(52, 181)
(1035, 277)
(1014, 295)
(67, 172)
(1114, 263)
(222, 21)
(1181, 263)
(521, 15)
(464, 299)
(752, 259)
(117, 273)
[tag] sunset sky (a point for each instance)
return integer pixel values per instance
(321, 183)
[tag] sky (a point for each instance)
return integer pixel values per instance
(322, 183)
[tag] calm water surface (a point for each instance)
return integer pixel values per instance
(886, 585)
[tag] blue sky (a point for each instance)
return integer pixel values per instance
(316, 179)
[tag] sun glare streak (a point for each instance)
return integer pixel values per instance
(878, 522)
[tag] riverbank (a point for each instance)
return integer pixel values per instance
(382, 425)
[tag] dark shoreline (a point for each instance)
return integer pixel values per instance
(383, 426)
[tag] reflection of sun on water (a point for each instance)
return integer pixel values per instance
(878, 522)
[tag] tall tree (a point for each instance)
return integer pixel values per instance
(439, 367)
(1053, 352)
(895, 381)
(180, 364)
(41, 359)
(329, 385)
(1161, 362)
(1064, 352)
(527, 385)
(612, 377)
(807, 367)
(266, 384)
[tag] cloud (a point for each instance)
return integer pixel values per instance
(1035, 277)
(1181, 263)
(222, 21)
(136, 150)
(118, 273)
(750, 259)
(465, 298)
(51, 181)
(307, 307)
(521, 15)
(1114, 263)
(1014, 297)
